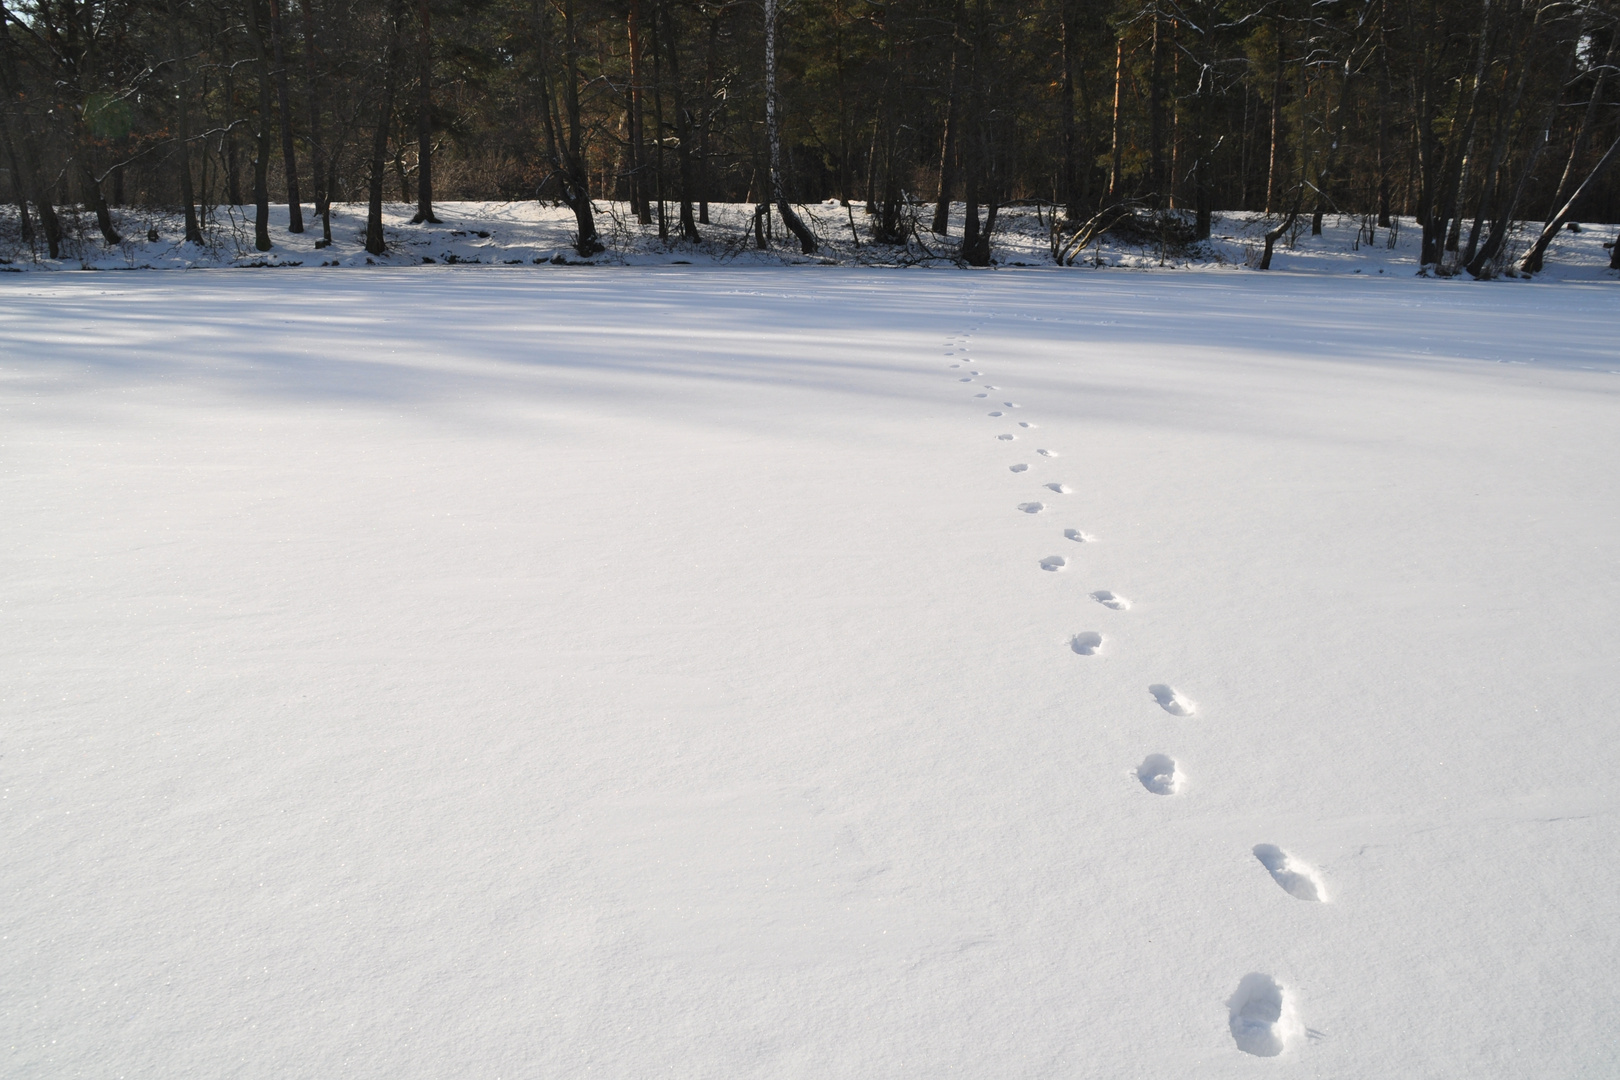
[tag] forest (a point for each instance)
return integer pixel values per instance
(1461, 116)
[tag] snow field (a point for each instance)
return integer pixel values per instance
(648, 671)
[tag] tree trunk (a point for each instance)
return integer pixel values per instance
(1156, 116)
(1538, 252)
(92, 195)
(228, 151)
(295, 210)
(375, 244)
(638, 180)
(658, 127)
(683, 125)
(20, 140)
(1443, 205)
(807, 241)
(708, 119)
(424, 117)
(1071, 188)
(1282, 227)
(1274, 166)
(1383, 123)
(261, 135)
(317, 148)
(183, 125)
(1118, 147)
(1533, 259)
(565, 145)
(941, 225)
(25, 223)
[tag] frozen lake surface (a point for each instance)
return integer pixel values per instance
(807, 673)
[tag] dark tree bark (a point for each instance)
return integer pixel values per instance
(25, 221)
(683, 124)
(1558, 203)
(1533, 259)
(708, 119)
(317, 146)
(1118, 146)
(807, 240)
(91, 188)
(295, 209)
(424, 116)
(227, 149)
(565, 143)
(948, 143)
(375, 243)
(261, 134)
(21, 142)
(183, 125)
(1383, 119)
(1275, 164)
(1071, 62)
(1156, 115)
(638, 146)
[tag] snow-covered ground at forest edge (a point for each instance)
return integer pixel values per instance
(541, 234)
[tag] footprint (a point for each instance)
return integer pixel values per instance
(1006, 438)
(964, 380)
(1086, 644)
(1111, 600)
(987, 386)
(1298, 879)
(956, 365)
(1061, 489)
(1012, 404)
(1047, 453)
(1159, 774)
(996, 413)
(1170, 701)
(1025, 424)
(1262, 1016)
(1054, 562)
(981, 395)
(1079, 537)
(975, 373)
(1018, 468)
(1032, 508)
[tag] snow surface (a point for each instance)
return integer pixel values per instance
(652, 672)
(532, 233)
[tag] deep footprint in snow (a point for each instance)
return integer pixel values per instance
(1061, 489)
(1012, 404)
(1032, 508)
(1025, 424)
(1079, 537)
(1111, 600)
(1261, 1016)
(1170, 701)
(981, 395)
(964, 380)
(1047, 453)
(1018, 468)
(996, 413)
(1086, 644)
(1006, 438)
(1159, 774)
(1054, 562)
(1298, 879)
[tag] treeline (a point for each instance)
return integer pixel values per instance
(1467, 115)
